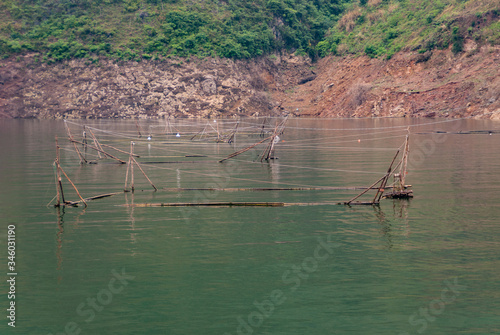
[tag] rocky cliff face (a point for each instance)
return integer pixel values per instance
(411, 84)
(437, 84)
(201, 88)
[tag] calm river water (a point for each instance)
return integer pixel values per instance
(425, 266)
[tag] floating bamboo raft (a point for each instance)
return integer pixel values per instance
(209, 204)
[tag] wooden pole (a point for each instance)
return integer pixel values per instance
(367, 189)
(262, 131)
(234, 154)
(60, 192)
(131, 167)
(218, 133)
(233, 133)
(201, 132)
(144, 173)
(80, 155)
(167, 125)
(138, 128)
(81, 198)
(84, 140)
(126, 175)
(278, 130)
(102, 151)
(380, 191)
(405, 160)
(119, 150)
(96, 142)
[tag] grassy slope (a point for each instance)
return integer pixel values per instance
(382, 28)
(133, 29)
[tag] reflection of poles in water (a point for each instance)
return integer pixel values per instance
(274, 171)
(133, 234)
(59, 234)
(60, 211)
(400, 209)
(178, 178)
(393, 224)
(59, 238)
(385, 225)
(263, 128)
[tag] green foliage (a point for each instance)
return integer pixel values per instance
(458, 40)
(371, 51)
(386, 27)
(138, 29)
(154, 29)
(492, 33)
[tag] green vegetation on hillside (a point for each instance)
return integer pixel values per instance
(133, 29)
(382, 28)
(144, 29)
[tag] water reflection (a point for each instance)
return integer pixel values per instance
(390, 224)
(59, 238)
(273, 168)
(400, 210)
(130, 210)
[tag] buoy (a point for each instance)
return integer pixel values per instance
(178, 135)
(359, 140)
(149, 138)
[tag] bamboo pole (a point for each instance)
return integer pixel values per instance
(59, 187)
(233, 133)
(126, 175)
(81, 198)
(234, 154)
(84, 140)
(209, 204)
(102, 151)
(367, 189)
(262, 131)
(140, 168)
(130, 167)
(96, 142)
(138, 128)
(97, 197)
(80, 155)
(218, 133)
(119, 150)
(60, 192)
(380, 191)
(404, 166)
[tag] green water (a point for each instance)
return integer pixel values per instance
(425, 266)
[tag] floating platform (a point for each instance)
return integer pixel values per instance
(406, 194)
